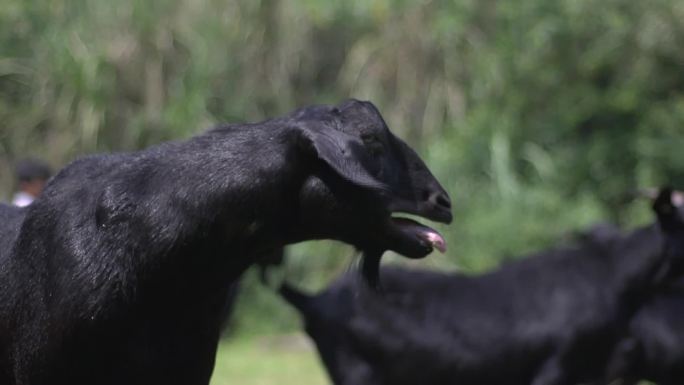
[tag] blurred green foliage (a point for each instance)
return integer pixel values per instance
(288, 359)
(540, 116)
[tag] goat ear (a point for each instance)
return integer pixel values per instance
(344, 153)
(666, 207)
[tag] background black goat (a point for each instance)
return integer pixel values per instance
(654, 349)
(552, 318)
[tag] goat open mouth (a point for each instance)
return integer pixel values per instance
(413, 239)
(406, 237)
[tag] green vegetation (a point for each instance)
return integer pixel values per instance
(280, 359)
(540, 116)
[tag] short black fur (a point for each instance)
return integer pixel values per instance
(120, 269)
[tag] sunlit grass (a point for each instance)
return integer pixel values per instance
(278, 359)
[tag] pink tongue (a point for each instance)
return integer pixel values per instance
(436, 240)
(426, 233)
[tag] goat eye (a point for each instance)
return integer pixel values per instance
(373, 143)
(368, 137)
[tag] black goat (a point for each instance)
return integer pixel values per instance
(659, 330)
(264, 263)
(654, 349)
(10, 220)
(121, 268)
(552, 318)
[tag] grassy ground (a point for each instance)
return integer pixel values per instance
(287, 359)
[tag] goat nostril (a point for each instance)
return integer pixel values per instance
(436, 198)
(444, 201)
